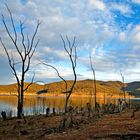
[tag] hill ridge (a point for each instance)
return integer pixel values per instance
(82, 86)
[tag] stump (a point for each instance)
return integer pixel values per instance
(47, 111)
(3, 114)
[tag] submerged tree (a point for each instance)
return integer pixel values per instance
(24, 47)
(94, 75)
(71, 50)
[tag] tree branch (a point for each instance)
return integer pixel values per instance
(11, 17)
(66, 85)
(30, 83)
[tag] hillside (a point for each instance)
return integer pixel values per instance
(12, 89)
(86, 86)
(81, 87)
(133, 88)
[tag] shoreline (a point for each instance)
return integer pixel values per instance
(111, 126)
(98, 95)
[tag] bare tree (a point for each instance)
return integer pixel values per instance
(95, 89)
(123, 85)
(25, 47)
(71, 50)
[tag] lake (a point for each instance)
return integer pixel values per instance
(34, 105)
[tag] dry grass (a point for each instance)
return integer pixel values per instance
(109, 127)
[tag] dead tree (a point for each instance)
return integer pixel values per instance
(24, 47)
(95, 89)
(71, 50)
(123, 85)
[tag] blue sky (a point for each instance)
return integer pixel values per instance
(109, 29)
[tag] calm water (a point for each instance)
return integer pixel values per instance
(37, 105)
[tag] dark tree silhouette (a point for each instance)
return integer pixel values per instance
(71, 50)
(25, 47)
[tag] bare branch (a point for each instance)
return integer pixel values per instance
(93, 71)
(91, 65)
(33, 37)
(30, 83)
(23, 38)
(75, 56)
(122, 76)
(123, 87)
(12, 22)
(28, 42)
(74, 42)
(57, 74)
(69, 44)
(9, 34)
(25, 55)
(64, 45)
(35, 47)
(73, 59)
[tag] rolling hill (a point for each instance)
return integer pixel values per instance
(81, 87)
(133, 88)
(12, 89)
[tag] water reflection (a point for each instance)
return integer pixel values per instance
(37, 105)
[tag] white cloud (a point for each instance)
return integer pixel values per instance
(122, 36)
(137, 37)
(97, 4)
(136, 1)
(131, 38)
(134, 35)
(59, 54)
(124, 9)
(94, 25)
(43, 72)
(2, 52)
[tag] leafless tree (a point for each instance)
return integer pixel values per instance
(71, 50)
(25, 47)
(123, 85)
(95, 89)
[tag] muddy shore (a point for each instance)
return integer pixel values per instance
(109, 127)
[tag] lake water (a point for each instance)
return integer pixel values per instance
(37, 105)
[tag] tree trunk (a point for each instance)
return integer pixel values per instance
(95, 100)
(66, 104)
(20, 107)
(20, 103)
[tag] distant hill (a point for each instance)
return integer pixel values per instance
(133, 88)
(87, 86)
(12, 88)
(81, 87)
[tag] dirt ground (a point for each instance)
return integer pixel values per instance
(107, 127)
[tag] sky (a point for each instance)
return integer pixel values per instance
(108, 29)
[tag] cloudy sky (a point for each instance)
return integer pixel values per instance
(109, 29)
